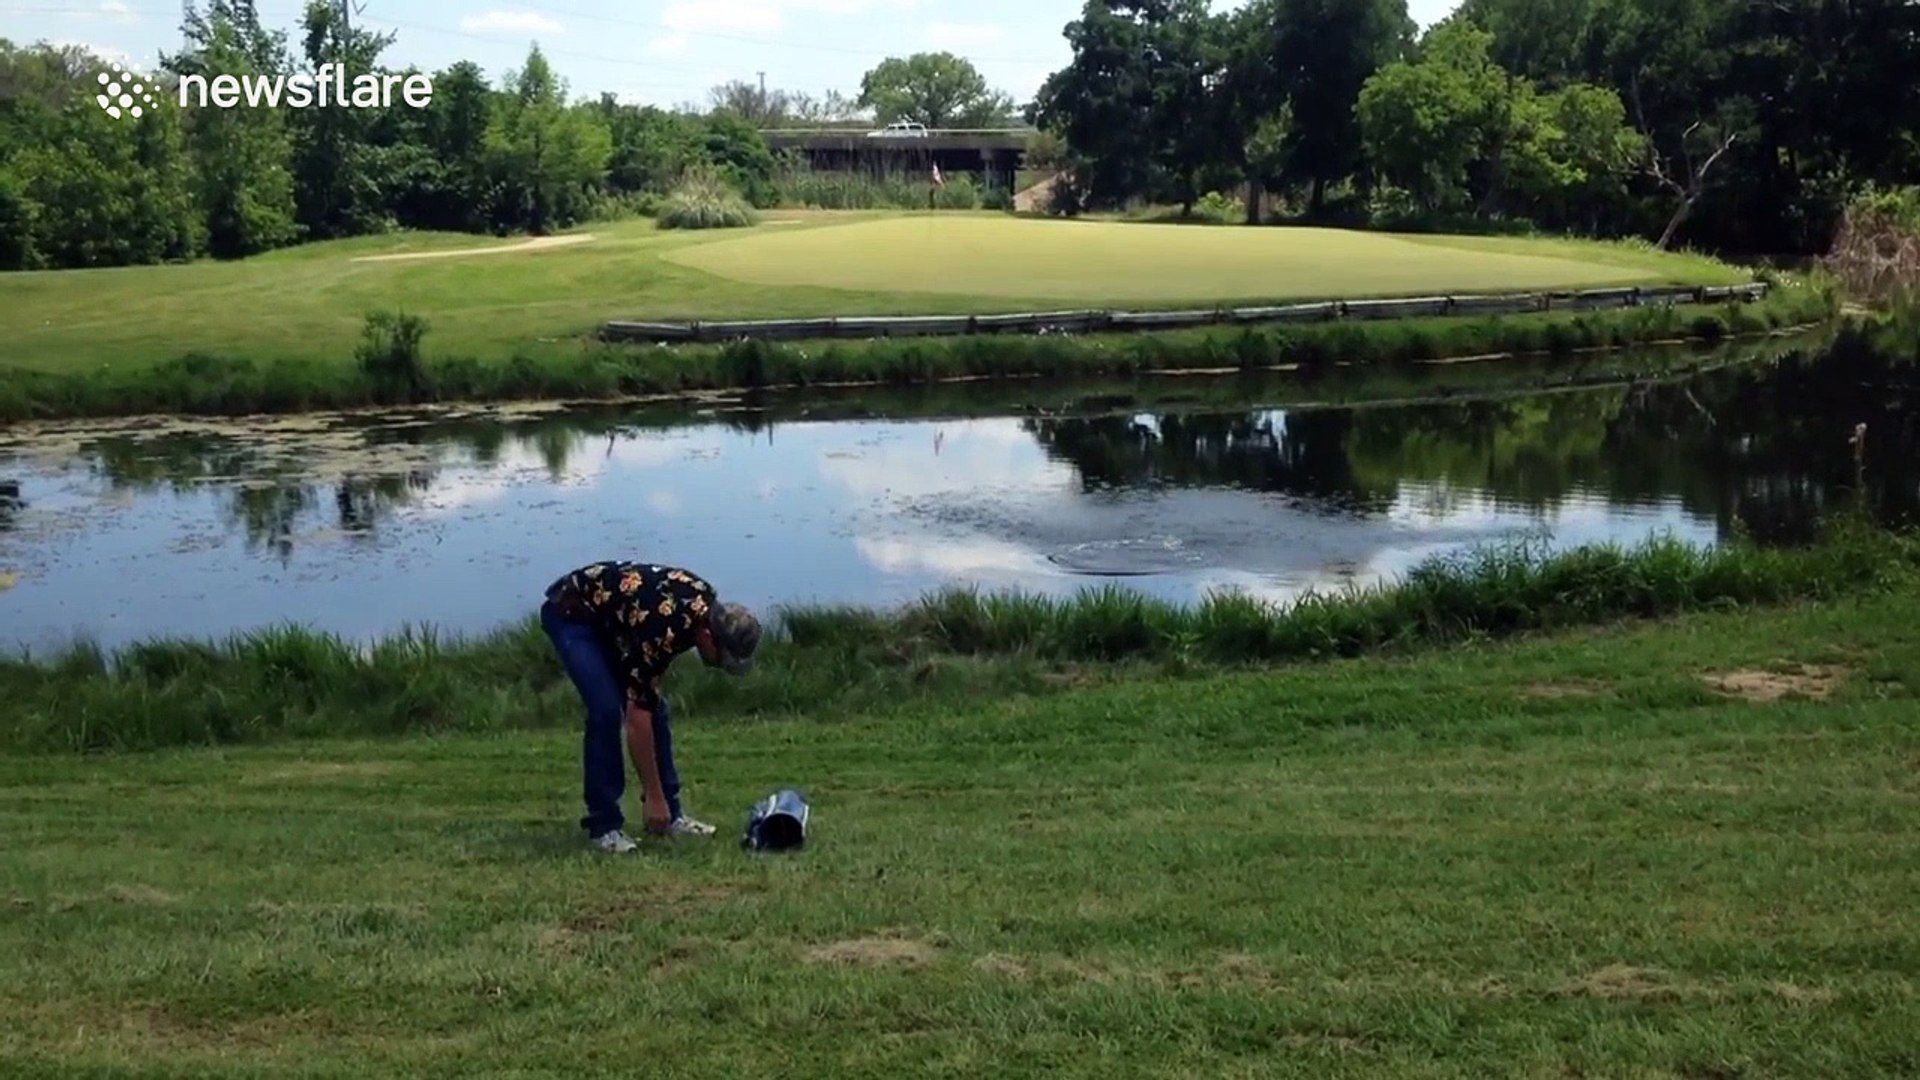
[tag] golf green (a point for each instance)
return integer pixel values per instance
(1102, 261)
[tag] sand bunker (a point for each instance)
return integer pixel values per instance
(539, 243)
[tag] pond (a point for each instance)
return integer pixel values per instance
(458, 518)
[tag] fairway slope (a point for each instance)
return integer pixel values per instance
(1103, 261)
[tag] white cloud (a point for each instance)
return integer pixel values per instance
(510, 22)
(957, 37)
(729, 16)
(948, 557)
(760, 16)
(671, 45)
(118, 11)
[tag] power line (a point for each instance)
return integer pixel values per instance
(717, 35)
(720, 35)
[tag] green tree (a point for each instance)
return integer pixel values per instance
(548, 157)
(1314, 56)
(456, 191)
(737, 149)
(242, 158)
(1424, 121)
(938, 89)
(1145, 104)
(337, 159)
(1537, 40)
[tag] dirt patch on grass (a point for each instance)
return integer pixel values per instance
(1816, 681)
(1624, 982)
(308, 771)
(539, 243)
(1335, 1042)
(1796, 994)
(141, 896)
(660, 900)
(1008, 967)
(875, 952)
(1559, 691)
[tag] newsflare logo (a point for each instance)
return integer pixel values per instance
(124, 92)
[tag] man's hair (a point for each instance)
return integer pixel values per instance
(737, 632)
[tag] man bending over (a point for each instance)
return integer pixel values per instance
(618, 626)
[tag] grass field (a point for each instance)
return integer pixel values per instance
(308, 303)
(1098, 262)
(1605, 854)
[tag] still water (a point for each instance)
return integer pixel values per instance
(459, 518)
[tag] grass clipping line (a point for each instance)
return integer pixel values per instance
(825, 660)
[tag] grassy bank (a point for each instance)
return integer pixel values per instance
(516, 318)
(949, 647)
(1601, 854)
(428, 370)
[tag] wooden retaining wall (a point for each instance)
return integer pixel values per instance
(1083, 322)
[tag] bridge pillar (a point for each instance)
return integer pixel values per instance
(998, 167)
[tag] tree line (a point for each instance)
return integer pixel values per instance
(1739, 126)
(80, 188)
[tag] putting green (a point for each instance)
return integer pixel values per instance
(1118, 261)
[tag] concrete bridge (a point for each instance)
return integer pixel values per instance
(996, 152)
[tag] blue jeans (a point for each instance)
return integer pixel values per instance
(603, 765)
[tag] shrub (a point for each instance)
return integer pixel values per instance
(389, 354)
(1214, 206)
(703, 200)
(1876, 254)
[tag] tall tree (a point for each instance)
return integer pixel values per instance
(242, 157)
(1537, 40)
(752, 102)
(1144, 106)
(1313, 56)
(1423, 122)
(454, 129)
(939, 89)
(546, 154)
(334, 152)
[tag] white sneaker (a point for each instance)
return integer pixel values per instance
(686, 826)
(615, 842)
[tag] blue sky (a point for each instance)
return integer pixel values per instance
(658, 51)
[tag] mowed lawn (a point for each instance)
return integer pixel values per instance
(1568, 857)
(1128, 262)
(310, 302)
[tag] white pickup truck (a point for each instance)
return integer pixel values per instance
(900, 129)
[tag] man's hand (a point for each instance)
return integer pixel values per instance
(658, 819)
(640, 747)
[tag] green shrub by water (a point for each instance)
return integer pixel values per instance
(704, 200)
(215, 385)
(819, 661)
(390, 358)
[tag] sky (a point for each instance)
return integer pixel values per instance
(661, 52)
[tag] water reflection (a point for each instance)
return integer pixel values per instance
(360, 524)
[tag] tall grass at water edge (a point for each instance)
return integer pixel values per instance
(819, 662)
(583, 370)
(893, 189)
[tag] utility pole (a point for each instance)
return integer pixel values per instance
(763, 85)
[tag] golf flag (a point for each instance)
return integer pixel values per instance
(937, 182)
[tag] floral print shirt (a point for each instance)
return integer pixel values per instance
(647, 613)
